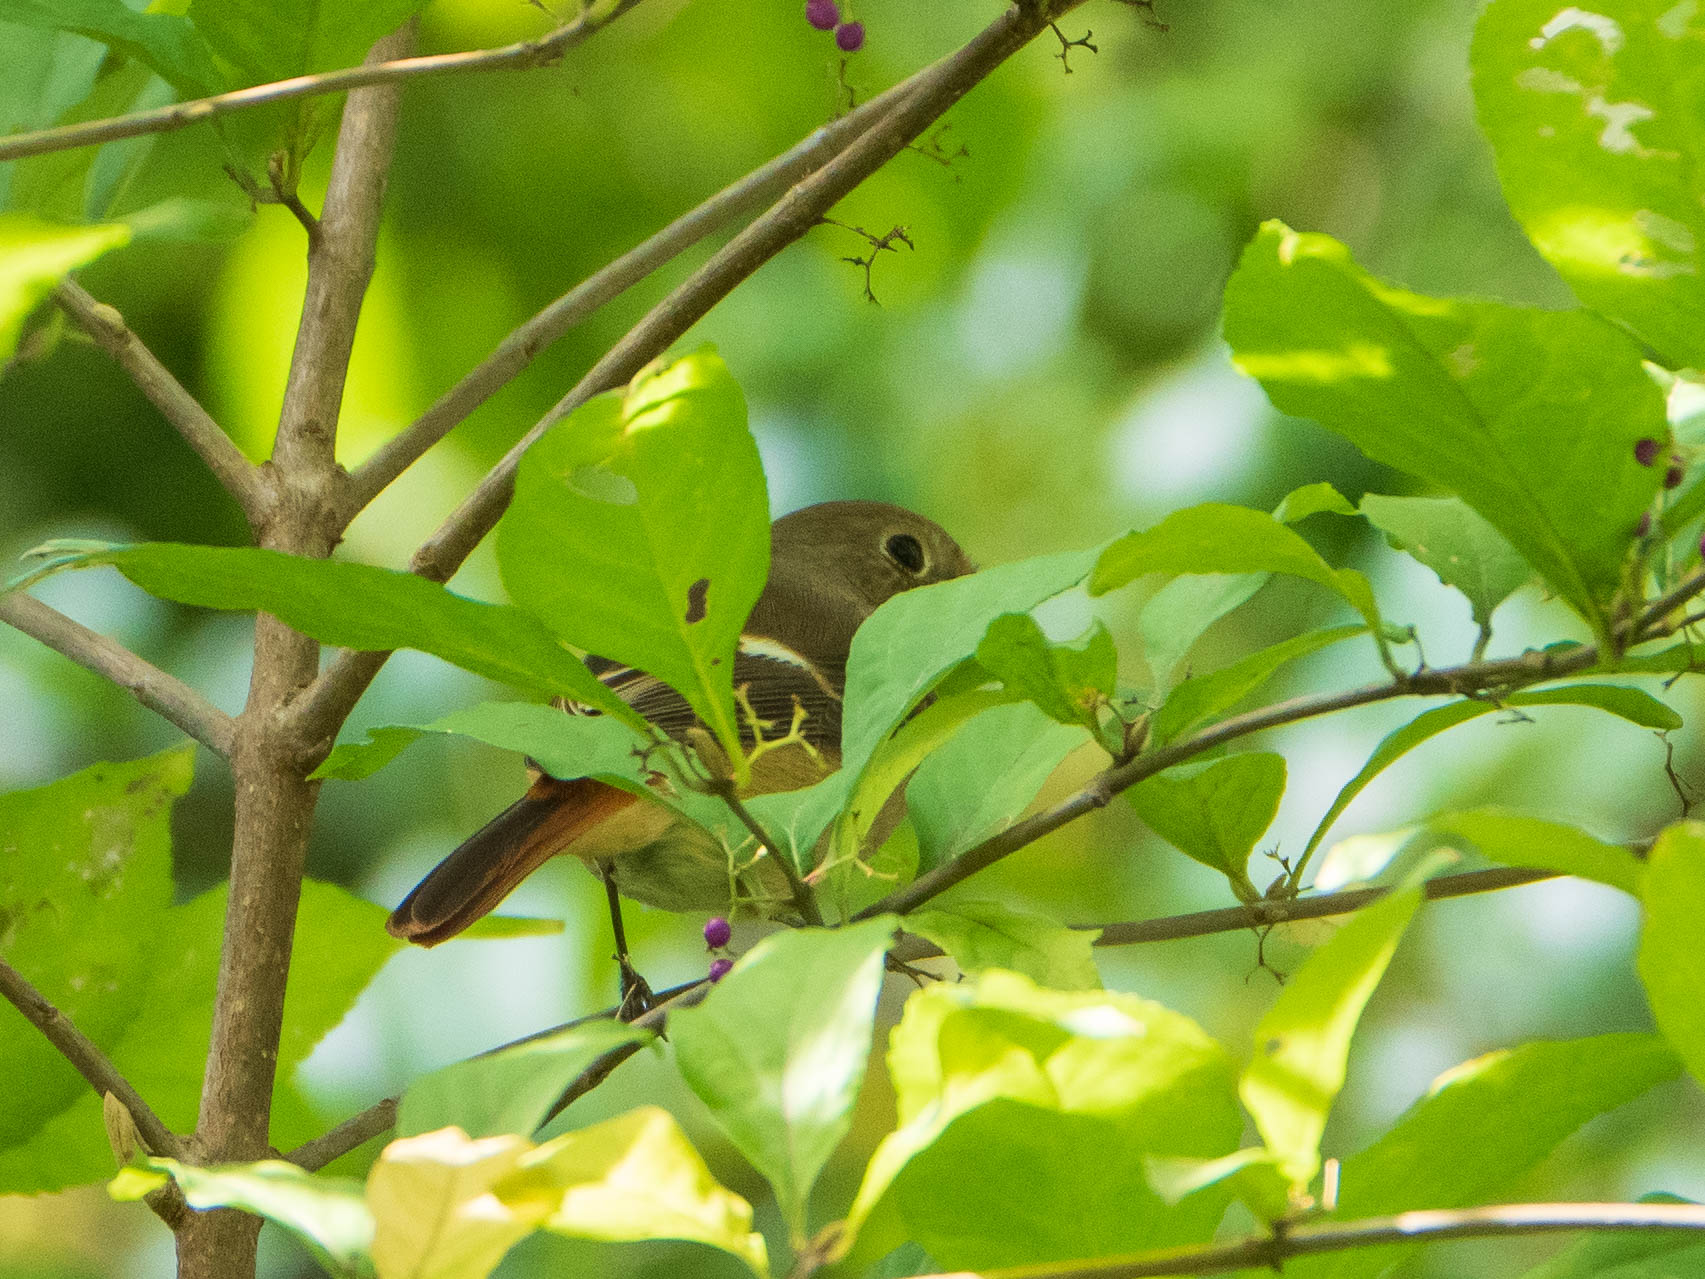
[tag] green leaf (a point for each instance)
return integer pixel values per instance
(978, 935)
(1303, 1042)
(52, 185)
(1027, 1119)
(984, 777)
(1631, 704)
(1607, 1254)
(181, 220)
(328, 1214)
(1672, 963)
(35, 256)
(640, 531)
(1215, 811)
(275, 39)
(1202, 697)
(1180, 613)
(166, 42)
(1068, 682)
(1312, 499)
(511, 1090)
(1529, 416)
(1447, 536)
(778, 1049)
(1594, 121)
(1517, 840)
(1217, 538)
(355, 606)
(1481, 1126)
(629, 1178)
(85, 878)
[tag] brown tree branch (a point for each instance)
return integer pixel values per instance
(241, 478)
(1501, 675)
(88, 1060)
(1287, 1241)
(148, 684)
(523, 345)
(919, 101)
(274, 799)
(544, 51)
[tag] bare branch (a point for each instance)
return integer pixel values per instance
(919, 101)
(1271, 1251)
(355, 1131)
(523, 345)
(106, 326)
(544, 51)
(165, 694)
(89, 1061)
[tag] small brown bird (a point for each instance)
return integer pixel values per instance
(831, 566)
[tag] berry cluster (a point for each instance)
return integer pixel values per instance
(717, 934)
(825, 15)
(1646, 453)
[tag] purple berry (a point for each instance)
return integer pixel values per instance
(719, 968)
(1702, 544)
(1640, 530)
(717, 932)
(1673, 476)
(822, 14)
(1645, 452)
(849, 37)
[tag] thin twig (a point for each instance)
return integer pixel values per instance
(88, 1060)
(1271, 1251)
(1503, 674)
(544, 51)
(241, 478)
(165, 694)
(523, 344)
(804, 899)
(920, 101)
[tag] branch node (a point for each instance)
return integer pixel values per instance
(1066, 46)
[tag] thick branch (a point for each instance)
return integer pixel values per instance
(919, 101)
(148, 684)
(544, 51)
(89, 1061)
(523, 345)
(106, 326)
(1271, 1251)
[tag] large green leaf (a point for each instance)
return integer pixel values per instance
(1217, 538)
(274, 39)
(778, 1050)
(1303, 1043)
(1446, 535)
(34, 257)
(640, 531)
(1518, 840)
(1069, 682)
(1595, 121)
(1631, 704)
(1027, 1118)
(1204, 696)
(979, 935)
(354, 605)
(166, 42)
(512, 1090)
(984, 777)
(1215, 811)
(1529, 416)
(85, 879)
(328, 1214)
(1480, 1127)
(1672, 962)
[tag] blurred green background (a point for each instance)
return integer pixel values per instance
(1042, 371)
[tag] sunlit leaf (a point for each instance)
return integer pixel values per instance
(778, 1049)
(1518, 840)
(1028, 1118)
(640, 531)
(510, 1091)
(1303, 1042)
(1446, 535)
(1672, 962)
(1215, 811)
(1529, 416)
(35, 256)
(433, 1211)
(1593, 115)
(978, 935)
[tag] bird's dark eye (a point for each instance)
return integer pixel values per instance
(906, 551)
